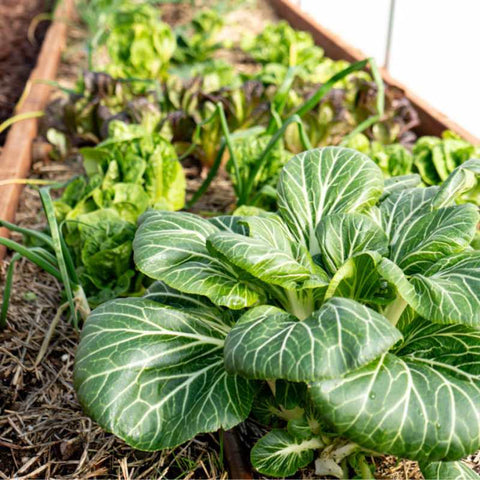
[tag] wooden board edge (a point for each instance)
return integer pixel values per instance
(16, 157)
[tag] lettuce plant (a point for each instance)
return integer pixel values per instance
(348, 320)
(128, 173)
(200, 43)
(280, 44)
(139, 44)
(433, 158)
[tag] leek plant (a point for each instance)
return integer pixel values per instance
(52, 255)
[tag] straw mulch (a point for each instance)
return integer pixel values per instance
(43, 432)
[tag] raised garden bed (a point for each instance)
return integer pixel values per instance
(432, 122)
(65, 443)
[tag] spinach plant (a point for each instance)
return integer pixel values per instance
(357, 304)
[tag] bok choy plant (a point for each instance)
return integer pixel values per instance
(348, 320)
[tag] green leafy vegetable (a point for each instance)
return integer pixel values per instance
(139, 45)
(52, 255)
(130, 172)
(164, 378)
(105, 262)
(280, 454)
(365, 292)
(453, 470)
(433, 158)
(281, 44)
(199, 44)
(248, 150)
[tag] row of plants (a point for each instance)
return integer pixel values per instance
(190, 110)
(194, 118)
(338, 305)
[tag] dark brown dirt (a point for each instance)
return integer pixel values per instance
(176, 13)
(17, 54)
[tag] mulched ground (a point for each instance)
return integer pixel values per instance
(17, 53)
(43, 432)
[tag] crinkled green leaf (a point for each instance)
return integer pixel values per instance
(137, 170)
(324, 181)
(106, 246)
(154, 376)
(393, 159)
(435, 158)
(171, 246)
(139, 44)
(447, 292)
(276, 42)
(164, 177)
(129, 199)
(339, 337)
(422, 153)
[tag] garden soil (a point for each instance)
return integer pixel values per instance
(18, 53)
